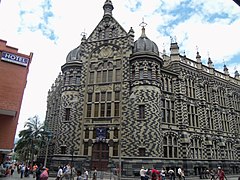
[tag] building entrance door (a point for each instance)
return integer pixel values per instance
(100, 154)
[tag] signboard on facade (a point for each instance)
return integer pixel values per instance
(101, 134)
(13, 58)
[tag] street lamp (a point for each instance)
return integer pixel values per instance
(49, 136)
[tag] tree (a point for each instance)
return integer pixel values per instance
(31, 139)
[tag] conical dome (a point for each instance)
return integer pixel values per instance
(144, 44)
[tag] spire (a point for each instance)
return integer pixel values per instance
(108, 7)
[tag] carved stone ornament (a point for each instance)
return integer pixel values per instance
(106, 52)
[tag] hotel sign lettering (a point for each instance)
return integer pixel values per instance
(14, 59)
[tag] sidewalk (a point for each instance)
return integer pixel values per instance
(17, 176)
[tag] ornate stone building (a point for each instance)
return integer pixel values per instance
(120, 100)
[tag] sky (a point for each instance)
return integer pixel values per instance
(52, 28)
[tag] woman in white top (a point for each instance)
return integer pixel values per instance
(59, 173)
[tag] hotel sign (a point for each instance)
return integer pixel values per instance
(13, 58)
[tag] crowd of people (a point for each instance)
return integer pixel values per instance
(39, 172)
(66, 172)
(162, 174)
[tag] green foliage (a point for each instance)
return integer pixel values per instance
(31, 139)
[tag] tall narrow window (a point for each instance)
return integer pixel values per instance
(118, 75)
(116, 109)
(102, 110)
(108, 109)
(67, 114)
(104, 76)
(89, 110)
(97, 97)
(91, 78)
(109, 96)
(110, 75)
(115, 149)
(89, 97)
(96, 110)
(141, 111)
(117, 95)
(98, 76)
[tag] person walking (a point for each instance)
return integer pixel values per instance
(22, 170)
(163, 173)
(59, 173)
(85, 177)
(79, 175)
(171, 174)
(179, 173)
(95, 174)
(44, 174)
(34, 170)
(143, 173)
(221, 174)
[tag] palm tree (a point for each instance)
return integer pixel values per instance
(31, 138)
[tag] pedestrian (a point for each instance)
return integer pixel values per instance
(171, 174)
(221, 174)
(44, 174)
(183, 175)
(38, 172)
(59, 173)
(79, 175)
(212, 175)
(22, 170)
(163, 173)
(85, 177)
(34, 170)
(95, 174)
(179, 173)
(155, 173)
(143, 173)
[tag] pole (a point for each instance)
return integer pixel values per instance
(120, 153)
(72, 165)
(120, 160)
(45, 160)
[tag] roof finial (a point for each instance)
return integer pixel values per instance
(108, 7)
(143, 24)
(83, 34)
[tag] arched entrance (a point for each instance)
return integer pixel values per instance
(100, 154)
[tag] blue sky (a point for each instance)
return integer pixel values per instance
(50, 29)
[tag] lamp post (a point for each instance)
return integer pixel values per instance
(72, 153)
(120, 158)
(49, 136)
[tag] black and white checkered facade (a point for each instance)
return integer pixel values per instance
(190, 114)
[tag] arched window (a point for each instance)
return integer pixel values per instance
(196, 148)
(170, 147)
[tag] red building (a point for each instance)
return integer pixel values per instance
(14, 68)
